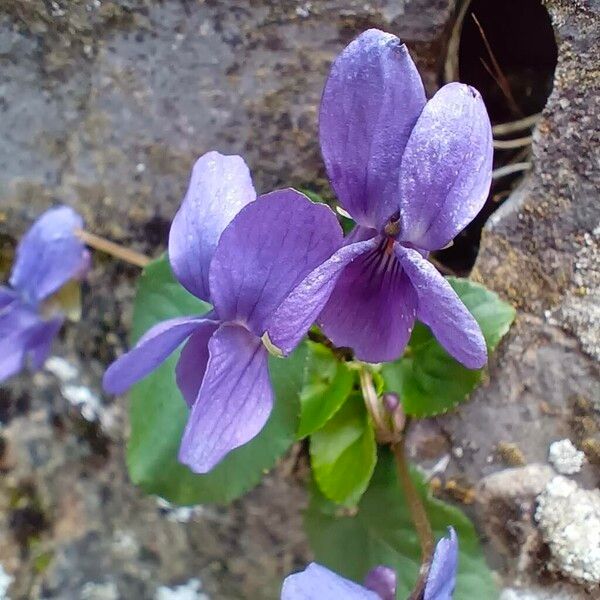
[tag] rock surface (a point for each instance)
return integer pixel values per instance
(104, 106)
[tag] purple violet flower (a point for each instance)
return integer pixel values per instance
(243, 255)
(319, 583)
(412, 174)
(48, 257)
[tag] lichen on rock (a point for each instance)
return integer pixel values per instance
(569, 520)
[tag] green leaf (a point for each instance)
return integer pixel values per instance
(427, 379)
(381, 532)
(343, 453)
(158, 412)
(327, 384)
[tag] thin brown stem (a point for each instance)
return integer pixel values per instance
(419, 517)
(499, 76)
(369, 393)
(103, 245)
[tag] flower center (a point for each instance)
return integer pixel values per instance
(381, 260)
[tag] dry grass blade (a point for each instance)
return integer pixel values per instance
(498, 75)
(511, 144)
(510, 169)
(518, 125)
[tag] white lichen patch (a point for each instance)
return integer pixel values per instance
(99, 591)
(178, 514)
(5, 582)
(192, 590)
(569, 521)
(565, 457)
(79, 395)
(580, 312)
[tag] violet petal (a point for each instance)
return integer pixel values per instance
(191, 365)
(299, 310)
(268, 248)
(151, 350)
(15, 326)
(318, 583)
(446, 169)
(370, 103)
(39, 341)
(440, 308)
(372, 308)
(382, 580)
(234, 402)
(441, 580)
(49, 255)
(219, 187)
(7, 296)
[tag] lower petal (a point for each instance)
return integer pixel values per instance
(299, 310)
(151, 350)
(16, 322)
(440, 308)
(318, 583)
(191, 366)
(372, 308)
(40, 340)
(234, 402)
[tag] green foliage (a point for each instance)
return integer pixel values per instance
(344, 453)
(326, 385)
(158, 412)
(427, 379)
(380, 532)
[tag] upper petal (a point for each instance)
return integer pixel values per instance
(370, 103)
(372, 308)
(318, 583)
(446, 169)
(268, 248)
(440, 308)
(49, 255)
(299, 310)
(219, 187)
(191, 365)
(383, 581)
(150, 351)
(441, 580)
(234, 401)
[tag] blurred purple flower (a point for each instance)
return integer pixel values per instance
(243, 255)
(48, 257)
(412, 174)
(318, 583)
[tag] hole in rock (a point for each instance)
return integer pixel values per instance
(515, 83)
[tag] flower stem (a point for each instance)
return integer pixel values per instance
(103, 245)
(370, 397)
(419, 517)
